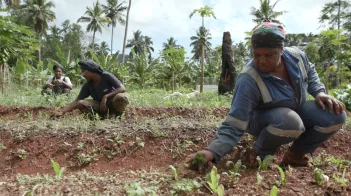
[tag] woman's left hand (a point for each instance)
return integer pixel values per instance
(333, 103)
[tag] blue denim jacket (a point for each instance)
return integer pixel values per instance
(247, 97)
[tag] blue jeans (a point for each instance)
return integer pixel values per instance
(307, 129)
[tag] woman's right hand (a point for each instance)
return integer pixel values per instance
(200, 161)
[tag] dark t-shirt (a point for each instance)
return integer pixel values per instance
(108, 83)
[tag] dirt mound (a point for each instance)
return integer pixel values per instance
(14, 112)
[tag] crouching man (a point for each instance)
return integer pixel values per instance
(107, 92)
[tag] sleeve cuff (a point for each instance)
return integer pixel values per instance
(318, 91)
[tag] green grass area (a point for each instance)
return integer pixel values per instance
(152, 97)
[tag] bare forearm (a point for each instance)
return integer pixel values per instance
(46, 86)
(115, 92)
(66, 85)
(70, 106)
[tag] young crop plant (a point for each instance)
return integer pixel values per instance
(282, 176)
(21, 153)
(319, 177)
(213, 181)
(263, 165)
(58, 170)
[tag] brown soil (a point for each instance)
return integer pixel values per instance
(98, 152)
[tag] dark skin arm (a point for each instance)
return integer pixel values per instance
(206, 154)
(334, 104)
(48, 86)
(64, 83)
(121, 89)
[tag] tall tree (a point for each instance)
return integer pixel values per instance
(73, 40)
(37, 14)
(266, 12)
(114, 12)
(9, 3)
(148, 46)
(174, 60)
(294, 39)
(137, 43)
(203, 12)
(96, 18)
(335, 13)
(199, 42)
(171, 42)
(126, 30)
(104, 48)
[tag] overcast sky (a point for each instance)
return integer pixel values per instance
(161, 19)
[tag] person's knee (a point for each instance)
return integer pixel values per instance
(120, 102)
(333, 124)
(286, 123)
(66, 90)
(80, 104)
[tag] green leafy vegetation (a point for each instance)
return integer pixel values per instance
(58, 170)
(263, 165)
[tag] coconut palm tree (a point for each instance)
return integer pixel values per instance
(171, 42)
(9, 3)
(96, 18)
(137, 43)
(104, 48)
(201, 38)
(37, 14)
(294, 39)
(335, 13)
(114, 12)
(148, 46)
(203, 12)
(126, 30)
(266, 12)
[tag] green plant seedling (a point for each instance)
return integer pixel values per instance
(235, 172)
(266, 162)
(274, 191)
(184, 186)
(213, 179)
(319, 177)
(236, 167)
(174, 170)
(2, 146)
(58, 170)
(282, 175)
(343, 181)
(21, 153)
(220, 190)
(197, 161)
(259, 178)
(140, 142)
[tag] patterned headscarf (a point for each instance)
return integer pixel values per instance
(268, 35)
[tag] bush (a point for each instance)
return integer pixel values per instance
(344, 95)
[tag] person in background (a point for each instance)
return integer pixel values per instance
(57, 84)
(107, 93)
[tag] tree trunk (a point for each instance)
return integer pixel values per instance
(39, 51)
(172, 81)
(339, 5)
(126, 30)
(2, 73)
(202, 68)
(92, 44)
(202, 61)
(228, 73)
(112, 41)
